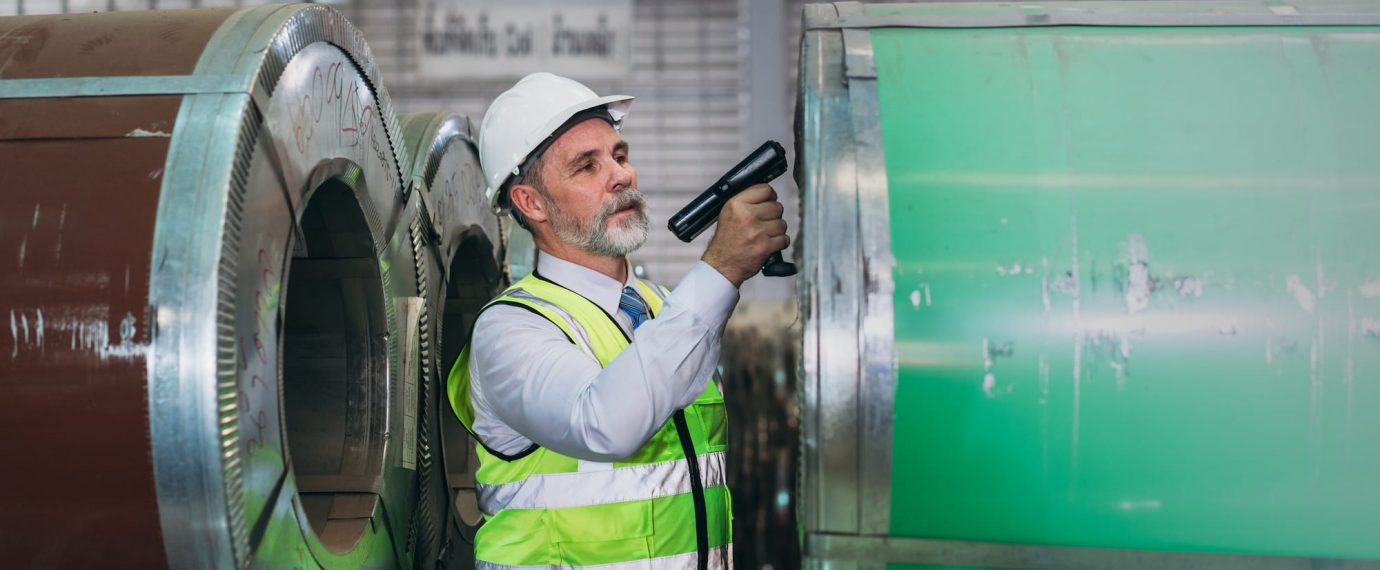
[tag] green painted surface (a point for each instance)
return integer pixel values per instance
(927, 567)
(1137, 286)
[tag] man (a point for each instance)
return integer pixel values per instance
(601, 434)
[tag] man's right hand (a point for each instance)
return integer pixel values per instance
(750, 228)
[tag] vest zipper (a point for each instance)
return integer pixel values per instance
(696, 489)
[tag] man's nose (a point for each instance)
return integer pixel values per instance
(622, 176)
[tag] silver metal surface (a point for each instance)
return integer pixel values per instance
(876, 549)
(431, 513)
(847, 10)
(108, 86)
(301, 25)
(193, 426)
(857, 44)
(401, 502)
(196, 465)
(237, 173)
(831, 290)
(455, 188)
(431, 134)
(848, 361)
(877, 326)
(409, 311)
(1185, 13)
(858, 61)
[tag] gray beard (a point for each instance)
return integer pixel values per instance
(597, 237)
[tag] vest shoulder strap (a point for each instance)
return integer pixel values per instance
(655, 295)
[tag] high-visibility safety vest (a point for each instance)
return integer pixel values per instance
(654, 509)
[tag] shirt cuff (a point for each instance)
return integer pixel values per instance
(706, 293)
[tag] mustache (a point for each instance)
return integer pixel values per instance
(630, 198)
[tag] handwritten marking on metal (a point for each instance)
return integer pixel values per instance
(253, 356)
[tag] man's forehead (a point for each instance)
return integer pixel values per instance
(591, 134)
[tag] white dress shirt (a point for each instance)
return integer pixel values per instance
(529, 384)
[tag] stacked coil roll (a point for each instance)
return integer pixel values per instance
(460, 252)
(229, 294)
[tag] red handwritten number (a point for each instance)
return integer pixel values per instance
(333, 93)
(260, 350)
(257, 388)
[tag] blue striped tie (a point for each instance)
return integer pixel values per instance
(634, 306)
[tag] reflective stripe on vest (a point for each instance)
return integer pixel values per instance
(544, 509)
(720, 559)
(580, 489)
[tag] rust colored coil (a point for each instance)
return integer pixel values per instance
(219, 316)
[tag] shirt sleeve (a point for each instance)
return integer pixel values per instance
(530, 384)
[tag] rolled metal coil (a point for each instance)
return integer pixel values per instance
(216, 310)
(460, 254)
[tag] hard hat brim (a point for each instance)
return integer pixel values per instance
(618, 108)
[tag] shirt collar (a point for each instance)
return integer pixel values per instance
(603, 290)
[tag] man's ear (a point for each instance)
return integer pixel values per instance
(528, 201)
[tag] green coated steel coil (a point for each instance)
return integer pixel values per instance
(1111, 269)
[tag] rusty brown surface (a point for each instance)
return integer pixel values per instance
(167, 42)
(87, 117)
(77, 219)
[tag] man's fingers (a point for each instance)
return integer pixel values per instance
(770, 211)
(775, 227)
(779, 243)
(757, 194)
(766, 211)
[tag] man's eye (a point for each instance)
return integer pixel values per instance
(621, 159)
(586, 167)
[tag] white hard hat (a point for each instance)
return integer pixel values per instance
(523, 117)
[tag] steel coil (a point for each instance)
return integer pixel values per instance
(460, 254)
(1088, 285)
(222, 295)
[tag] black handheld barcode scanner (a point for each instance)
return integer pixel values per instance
(760, 167)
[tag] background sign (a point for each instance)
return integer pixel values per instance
(511, 38)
